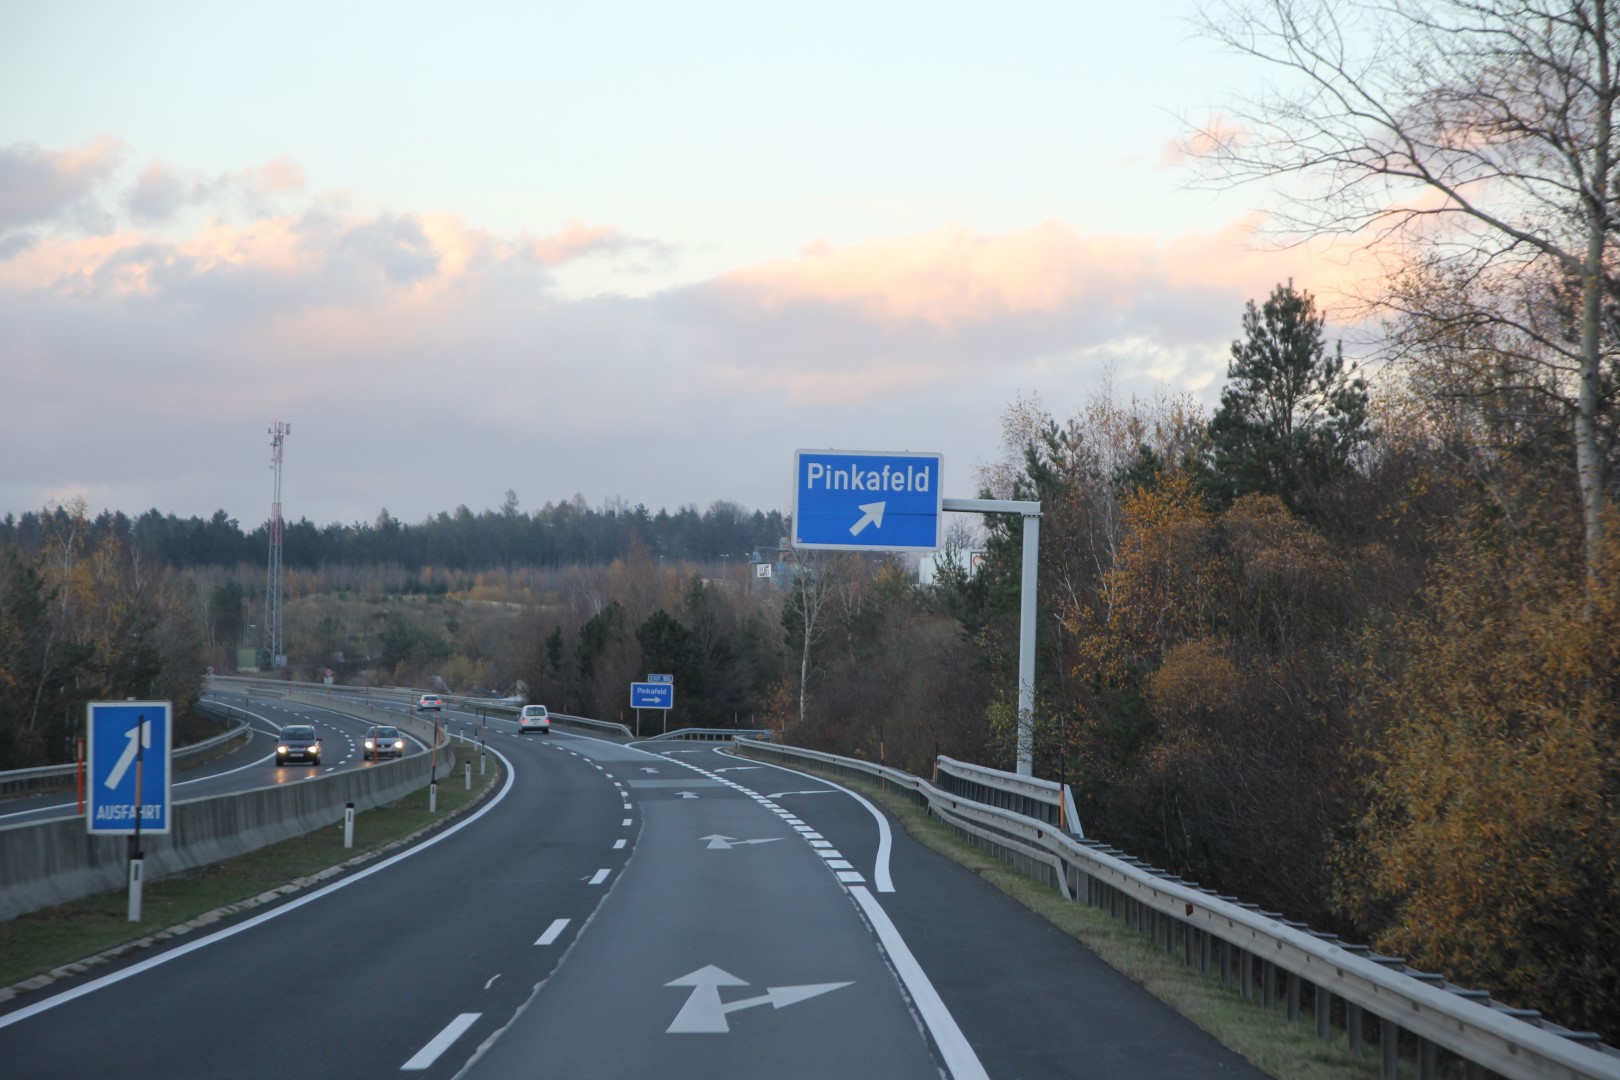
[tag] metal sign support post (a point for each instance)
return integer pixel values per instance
(137, 858)
(1031, 512)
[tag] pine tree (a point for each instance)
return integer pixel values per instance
(1291, 417)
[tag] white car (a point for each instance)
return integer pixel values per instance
(430, 701)
(534, 718)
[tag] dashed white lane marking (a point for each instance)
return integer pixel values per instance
(426, 1056)
(617, 844)
(625, 823)
(836, 862)
(601, 876)
(553, 932)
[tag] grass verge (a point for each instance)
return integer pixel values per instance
(37, 948)
(1265, 1037)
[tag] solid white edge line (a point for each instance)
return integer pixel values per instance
(440, 1042)
(959, 1057)
(292, 905)
(553, 932)
(880, 866)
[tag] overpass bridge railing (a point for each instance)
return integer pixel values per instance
(1282, 962)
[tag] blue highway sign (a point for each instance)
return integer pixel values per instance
(128, 742)
(866, 500)
(652, 695)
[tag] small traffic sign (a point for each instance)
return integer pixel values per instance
(660, 678)
(652, 695)
(128, 750)
(866, 500)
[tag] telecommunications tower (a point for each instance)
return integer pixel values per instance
(272, 587)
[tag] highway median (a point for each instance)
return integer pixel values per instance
(45, 946)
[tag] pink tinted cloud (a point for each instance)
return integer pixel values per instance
(280, 175)
(955, 277)
(1216, 133)
(573, 241)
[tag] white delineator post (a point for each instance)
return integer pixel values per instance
(1031, 513)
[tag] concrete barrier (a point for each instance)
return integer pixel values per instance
(52, 862)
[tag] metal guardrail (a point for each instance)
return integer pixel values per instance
(711, 734)
(50, 777)
(1047, 800)
(408, 694)
(1283, 961)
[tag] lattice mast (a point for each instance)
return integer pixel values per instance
(272, 588)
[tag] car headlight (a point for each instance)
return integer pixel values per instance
(369, 744)
(399, 745)
(281, 749)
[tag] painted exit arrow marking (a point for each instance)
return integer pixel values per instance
(705, 1014)
(818, 791)
(686, 794)
(647, 769)
(871, 514)
(726, 843)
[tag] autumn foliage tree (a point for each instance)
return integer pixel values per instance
(1490, 845)
(86, 619)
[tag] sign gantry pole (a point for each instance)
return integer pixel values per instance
(1031, 513)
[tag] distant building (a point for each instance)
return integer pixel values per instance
(774, 564)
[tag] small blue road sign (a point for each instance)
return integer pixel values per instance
(652, 695)
(866, 500)
(129, 749)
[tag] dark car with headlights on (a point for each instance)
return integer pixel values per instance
(383, 741)
(298, 742)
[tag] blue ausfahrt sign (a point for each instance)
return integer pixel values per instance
(652, 695)
(128, 743)
(866, 500)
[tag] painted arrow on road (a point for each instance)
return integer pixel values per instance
(726, 843)
(871, 514)
(687, 794)
(647, 769)
(739, 768)
(818, 791)
(705, 1014)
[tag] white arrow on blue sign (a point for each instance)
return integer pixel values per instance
(652, 695)
(866, 500)
(128, 742)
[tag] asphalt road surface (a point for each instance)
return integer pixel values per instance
(659, 909)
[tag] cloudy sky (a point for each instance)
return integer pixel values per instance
(621, 250)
